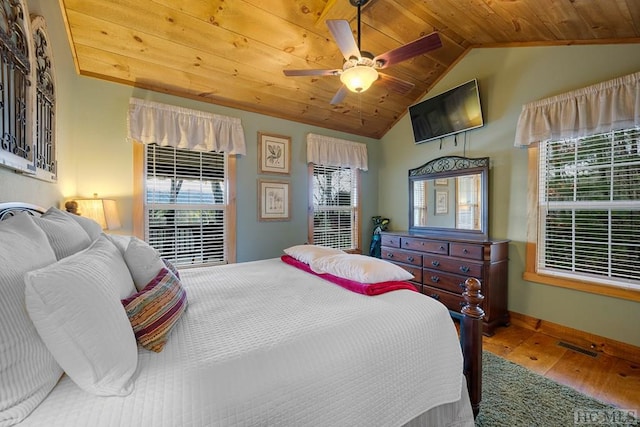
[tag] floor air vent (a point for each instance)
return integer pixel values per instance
(578, 349)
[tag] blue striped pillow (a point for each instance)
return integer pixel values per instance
(155, 309)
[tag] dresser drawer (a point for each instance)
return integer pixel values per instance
(398, 255)
(452, 265)
(393, 241)
(452, 301)
(432, 246)
(447, 281)
(416, 271)
(466, 250)
(447, 263)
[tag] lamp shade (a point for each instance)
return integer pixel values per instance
(102, 211)
(359, 78)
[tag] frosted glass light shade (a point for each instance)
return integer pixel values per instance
(102, 211)
(359, 78)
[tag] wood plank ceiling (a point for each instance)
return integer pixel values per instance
(233, 52)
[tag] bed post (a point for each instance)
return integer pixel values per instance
(471, 331)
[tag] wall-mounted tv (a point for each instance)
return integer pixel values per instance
(456, 110)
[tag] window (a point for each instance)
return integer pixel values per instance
(334, 220)
(589, 209)
(27, 95)
(468, 205)
(186, 209)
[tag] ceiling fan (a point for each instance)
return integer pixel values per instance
(360, 68)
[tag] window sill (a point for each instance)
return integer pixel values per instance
(594, 288)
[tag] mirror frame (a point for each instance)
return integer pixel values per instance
(448, 167)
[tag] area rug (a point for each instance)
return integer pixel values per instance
(515, 396)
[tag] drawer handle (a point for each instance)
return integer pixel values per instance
(435, 279)
(462, 286)
(390, 255)
(442, 248)
(462, 303)
(464, 269)
(435, 296)
(435, 263)
(410, 259)
(465, 251)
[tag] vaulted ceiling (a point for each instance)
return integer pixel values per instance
(233, 52)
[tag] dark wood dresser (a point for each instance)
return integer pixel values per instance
(440, 267)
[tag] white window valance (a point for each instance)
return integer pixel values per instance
(329, 151)
(167, 125)
(603, 107)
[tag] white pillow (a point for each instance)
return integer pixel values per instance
(65, 235)
(360, 268)
(28, 370)
(121, 241)
(143, 261)
(75, 306)
(92, 228)
(308, 253)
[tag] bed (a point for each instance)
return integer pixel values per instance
(262, 343)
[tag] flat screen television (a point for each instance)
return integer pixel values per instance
(454, 111)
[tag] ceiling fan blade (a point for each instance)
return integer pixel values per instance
(339, 96)
(417, 47)
(341, 32)
(294, 73)
(396, 84)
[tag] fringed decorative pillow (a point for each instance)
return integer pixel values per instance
(155, 309)
(172, 268)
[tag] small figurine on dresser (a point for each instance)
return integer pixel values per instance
(379, 225)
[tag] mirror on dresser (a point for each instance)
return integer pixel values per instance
(448, 196)
(448, 238)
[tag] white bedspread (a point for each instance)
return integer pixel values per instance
(265, 344)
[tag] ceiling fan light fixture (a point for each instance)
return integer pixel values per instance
(359, 78)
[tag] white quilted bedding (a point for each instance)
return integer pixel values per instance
(265, 344)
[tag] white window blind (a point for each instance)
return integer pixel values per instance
(420, 205)
(185, 204)
(469, 205)
(335, 204)
(589, 208)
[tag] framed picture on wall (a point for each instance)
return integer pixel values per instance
(273, 200)
(441, 202)
(274, 153)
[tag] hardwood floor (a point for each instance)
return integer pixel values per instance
(610, 379)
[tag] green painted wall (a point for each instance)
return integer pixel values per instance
(509, 78)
